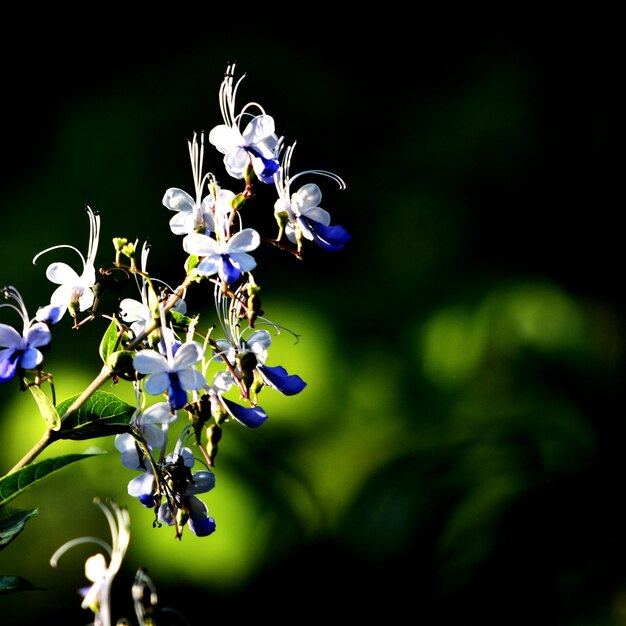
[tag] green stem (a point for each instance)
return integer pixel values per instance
(105, 373)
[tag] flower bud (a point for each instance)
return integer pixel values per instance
(213, 434)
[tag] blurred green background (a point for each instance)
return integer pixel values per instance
(457, 455)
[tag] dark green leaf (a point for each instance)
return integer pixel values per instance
(14, 484)
(101, 415)
(12, 522)
(11, 584)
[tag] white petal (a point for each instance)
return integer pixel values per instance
(224, 137)
(131, 310)
(236, 162)
(259, 128)
(191, 379)
(150, 362)
(157, 383)
(307, 197)
(61, 274)
(9, 337)
(244, 241)
(188, 354)
(95, 567)
(178, 200)
(243, 261)
(200, 245)
(159, 413)
(318, 215)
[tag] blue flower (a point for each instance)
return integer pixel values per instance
(236, 349)
(20, 351)
(196, 214)
(183, 506)
(299, 213)
(256, 146)
(153, 425)
(75, 292)
(278, 378)
(172, 374)
(229, 259)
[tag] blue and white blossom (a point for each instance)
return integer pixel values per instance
(227, 258)
(20, 351)
(182, 504)
(152, 423)
(75, 291)
(172, 374)
(223, 409)
(256, 146)
(195, 214)
(299, 213)
(247, 356)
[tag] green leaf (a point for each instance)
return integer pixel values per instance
(14, 484)
(12, 522)
(110, 341)
(191, 262)
(46, 407)
(101, 415)
(11, 584)
(180, 322)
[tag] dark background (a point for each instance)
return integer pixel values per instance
(471, 397)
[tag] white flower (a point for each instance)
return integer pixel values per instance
(74, 291)
(196, 214)
(228, 258)
(256, 146)
(174, 375)
(97, 597)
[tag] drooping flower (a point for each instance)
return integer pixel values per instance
(75, 292)
(182, 506)
(299, 214)
(247, 356)
(97, 597)
(20, 351)
(172, 374)
(223, 409)
(256, 147)
(152, 423)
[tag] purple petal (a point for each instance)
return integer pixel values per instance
(327, 237)
(278, 378)
(176, 395)
(250, 417)
(228, 272)
(8, 365)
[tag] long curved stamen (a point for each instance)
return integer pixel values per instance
(94, 235)
(54, 559)
(11, 292)
(335, 177)
(228, 95)
(244, 111)
(61, 245)
(283, 180)
(197, 159)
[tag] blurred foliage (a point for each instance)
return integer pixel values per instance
(458, 451)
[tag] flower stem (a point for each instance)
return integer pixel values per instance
(105, 373)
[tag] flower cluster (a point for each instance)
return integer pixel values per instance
(156, 345)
